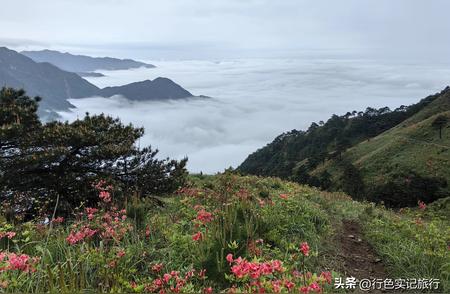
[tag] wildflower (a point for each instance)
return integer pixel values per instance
(289, 285)
(422, 205)
(304, 289)
(21, 262)
(230, 258)
(202, 274)
(105, 196)
(204, 217)
(304, 248)
(276, 285)
(314, 287)
(167, 278)
(277, 265)
(10, 235)
(208, 290)
(326, 276)
(284, 196)
(157, 267)
(58, 220)
(121, 253)
(197, 236)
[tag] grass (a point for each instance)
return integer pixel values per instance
(261, 220)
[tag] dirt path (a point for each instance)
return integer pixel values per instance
(359, 258)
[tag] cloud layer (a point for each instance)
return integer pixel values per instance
(255, 100)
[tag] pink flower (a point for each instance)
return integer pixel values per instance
(229, 258)
(304, 248)
(276, 285)
(105, 196)
(289, 285)
(157, 267)
(314, 287)
(208, 290)
(197, 236)
(277, 266)
(284, 196)
(304, 289)
(10, 235)
(202, 274)
(204, 217)
(326, 276)
(167, 278)
(121, 253)
(58, 220)
(422, 205)
(21, 262)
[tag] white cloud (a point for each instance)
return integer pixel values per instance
(255, 100)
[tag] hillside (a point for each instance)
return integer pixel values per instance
(81, 63)
(55, 85)
(227, 234)
(363, 152)
(42, 79)
(411, 150)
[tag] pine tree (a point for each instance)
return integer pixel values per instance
(43, 164)
(439, 123)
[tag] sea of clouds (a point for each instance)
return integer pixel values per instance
(254, 100)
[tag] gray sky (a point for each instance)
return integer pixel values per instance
(409, 29)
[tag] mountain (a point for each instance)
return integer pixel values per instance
(392, 156)
(159, 88)
(81, 63)
(54, 85)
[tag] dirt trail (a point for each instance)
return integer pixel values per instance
(359, 258)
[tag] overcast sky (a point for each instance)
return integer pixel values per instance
(409, 29)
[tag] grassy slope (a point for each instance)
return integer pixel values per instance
(412, 145)
(305, 214)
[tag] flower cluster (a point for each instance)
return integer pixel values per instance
(58, 220)
(104, 191)
(13, 261)
(9, 235)
(190, 192)
(80, 235)
(173, 282)
(241, 268)
(204, 217)
(108, 225)
(304, 248)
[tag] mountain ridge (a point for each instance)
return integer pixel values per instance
(366, 154)
(83, 63)
(55, 85)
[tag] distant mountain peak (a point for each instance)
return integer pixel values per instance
(82, 63)
(158, 89)
(55, 85)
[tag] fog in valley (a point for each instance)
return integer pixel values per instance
(254, 100)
